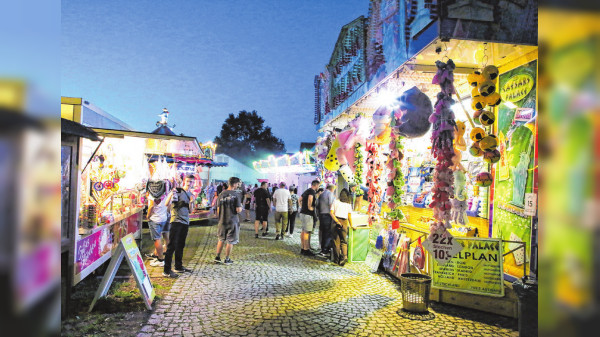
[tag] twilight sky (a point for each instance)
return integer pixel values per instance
(202, 59)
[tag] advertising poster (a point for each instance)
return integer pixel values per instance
(134, 258)
(476, 269)
(516, 125)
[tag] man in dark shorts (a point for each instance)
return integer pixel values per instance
(306, 217)
(229, 208)
(263, 207)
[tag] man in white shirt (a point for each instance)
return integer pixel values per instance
(281, 199)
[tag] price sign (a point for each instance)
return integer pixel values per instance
(530, 204)
(442, 247)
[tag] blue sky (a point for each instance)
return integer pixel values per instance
(202, 60)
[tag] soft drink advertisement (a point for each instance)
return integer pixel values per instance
(517, 135)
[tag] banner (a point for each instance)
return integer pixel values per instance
(477, 269)
(514, 178)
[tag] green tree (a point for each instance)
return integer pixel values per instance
(246, 138)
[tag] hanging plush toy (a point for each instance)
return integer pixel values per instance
(381, 128)
(460, 203)
(459, 146)
(442, 139)
(414, 109)
(347, 140)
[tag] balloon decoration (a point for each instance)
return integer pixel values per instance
(414, 110)
(442, 139)
(484, 95)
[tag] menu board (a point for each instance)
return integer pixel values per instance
(477, 269)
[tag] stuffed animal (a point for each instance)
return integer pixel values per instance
(475, 150)
(490, 73)
(477, 134)
(487, 118)
(489, 143)
(459, 212)
(459, 145)
(478, 103)
(381, 128)
(493, 99)
(415, 108)
(486, 88)
(476, 116)
(491, 157)
(484, 179)
(475, 78)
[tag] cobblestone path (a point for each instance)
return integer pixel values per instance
(271, 290)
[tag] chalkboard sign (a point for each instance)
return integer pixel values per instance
(127, 248)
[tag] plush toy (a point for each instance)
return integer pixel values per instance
(476, 116)
(486, 88)
(415, 109)
(477, 134)
(483, 179)
(493, 99)
(490, 73)
(478, 103)
(442, 139)
(459, 212)
(460, 185)
(491, 157)
(475, 150)
(381, 128)
(475, 78)
(344, 148)
(489, 143)
(487, 118)
(459, 146)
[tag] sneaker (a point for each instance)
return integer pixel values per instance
(218, 259)
(151, 256)
(170, 275)
(183, 270)
(256, 236)
(264, 234)
(228, 261)
(277, 237)
(309, 253)
(323, 254)
(343, 262)
(288, 235)
(157, 263)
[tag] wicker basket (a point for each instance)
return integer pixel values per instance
(415, 290)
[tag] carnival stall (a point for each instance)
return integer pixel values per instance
(287, 168)
(441, 137)
(116, 174)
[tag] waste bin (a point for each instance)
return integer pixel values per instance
(527, 291)
(415, 290)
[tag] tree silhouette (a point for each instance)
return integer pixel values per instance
(245, 138)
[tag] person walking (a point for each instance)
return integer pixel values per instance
(180, 220)
(229, 208)
(281, 199)
(324, 203)
(341, 213)
(247, 201)
(307, 215)
(293, 211)
(157, 220)
(263, 207)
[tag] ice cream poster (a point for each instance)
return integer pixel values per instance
(517, 135)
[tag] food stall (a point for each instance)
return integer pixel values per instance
(116, 172)
(442, 139)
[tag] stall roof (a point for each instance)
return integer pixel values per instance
(173, 158)
(73, 128)
(121, 133)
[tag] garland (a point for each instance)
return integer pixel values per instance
(358, 168)
(395, 177)
(375, 170)
(442, 148)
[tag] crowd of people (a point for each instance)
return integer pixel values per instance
(168, 219)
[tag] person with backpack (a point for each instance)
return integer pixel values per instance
(229, 206)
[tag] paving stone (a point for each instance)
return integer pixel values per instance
(271, 290)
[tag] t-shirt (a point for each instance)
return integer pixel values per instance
(228, 202)
(159, 210)
(294, 198)
(305, 195)
(260, 196)
(181, 206)
(341, 209)
(325, 201)
(282, 196)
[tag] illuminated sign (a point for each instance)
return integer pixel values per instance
(296, 163)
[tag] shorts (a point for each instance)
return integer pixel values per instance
(307, 222)
(167, 227)
(262, 214)
(156, 228)
(229, 234)
(247, 206)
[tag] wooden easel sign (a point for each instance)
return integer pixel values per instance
(127, 248)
